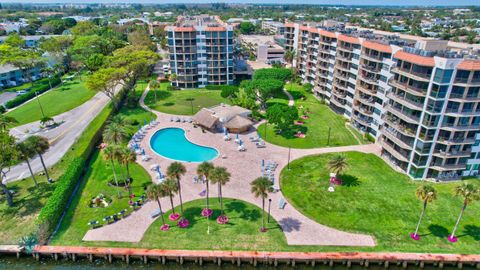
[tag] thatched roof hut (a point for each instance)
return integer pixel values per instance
(238, 124)
(205, 118)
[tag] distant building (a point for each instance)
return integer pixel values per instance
(263, 47)
(30, 41)
(273, 28)
(11, 76)
(201, 51)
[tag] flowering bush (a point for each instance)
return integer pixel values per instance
(165, 227)
(206, 212)
(174, 217)
(222, 219)
(183, 223)
(335, 181)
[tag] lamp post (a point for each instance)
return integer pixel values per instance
(265, 130)
(288, 164)
(39, 104)
(269, 203)
(191, 102)
(328, 139)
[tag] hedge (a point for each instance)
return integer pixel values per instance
(39, 88)
(53, 209)
(282, 74)
(220, 87)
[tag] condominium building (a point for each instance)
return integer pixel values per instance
(273, 27)
(420, 100)
(264, 48)
(201, 51)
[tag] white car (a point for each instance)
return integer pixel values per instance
(165, 68)
(21, 92)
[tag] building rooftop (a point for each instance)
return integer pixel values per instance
(260, 40)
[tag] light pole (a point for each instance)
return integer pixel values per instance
(269, 203)
(288, 164)
(39, 104)
(328, 139)
(191, 102)
(265, 130)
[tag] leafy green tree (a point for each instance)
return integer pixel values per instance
(94, 61)
(246, 28)
(427, 194)
(54, 26)
(175, 171)
(84, 28)
(263, 89)
(114, 133)
(281, 115)
(5, 122)
(337, 164)
(107, 80)
(469, 193)
(40, 145)
(15, 40)
(281, 74)
(26, 153)
(7, 159)
(260, 188)
(136, 60)
(229, 92)
(289, 56)
(141, 38)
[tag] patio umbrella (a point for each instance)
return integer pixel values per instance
(139, 127)
(144, 122)
(241, 142)
(225, 131)
(237, 136)
(143, 152)
(263, 165)
(159, 171)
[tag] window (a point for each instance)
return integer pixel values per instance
(438, 91)
(443, 76)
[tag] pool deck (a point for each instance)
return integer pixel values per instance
(244, 168)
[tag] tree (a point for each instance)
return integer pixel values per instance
(469, 193)
(6, 121)
(203, 171)
(107, 80)
(40, 145)
(262, 89)
(175, 171)
(155, 192)
(24, 59)
(260, 188)
(289, 56)
(7, 158)
(426, 194)
(154, 85)
(220, 176)
(281, 74)
(170, 186)
(246, 28)
(337, 164)
(282, 115)
(94, 61)
(141, 38)
(114, 133)
(109, 154)
(25, 153)
(229, 91)
(46, 121)
(127, 156)
(15, 40)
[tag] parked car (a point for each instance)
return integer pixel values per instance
(21, 92)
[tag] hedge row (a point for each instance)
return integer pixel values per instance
(39, 88)
(53, 209)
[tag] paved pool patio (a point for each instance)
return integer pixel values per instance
(244, 167)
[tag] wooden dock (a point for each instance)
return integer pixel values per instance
(254, 257)
(11, 249)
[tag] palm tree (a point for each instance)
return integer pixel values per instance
(260, 188)
(119, 120)
(109, 154)
(289, 56)
(175, 171)
(203, 171)
(170, 187)
(220, 176)
(115, 133)
(427, 194)
(127, 156)
(45, 121)
(154, 85)
(27, 152)
(337, 164)
(40, 145)
(6, 121)
(155, 192)
(469, 193)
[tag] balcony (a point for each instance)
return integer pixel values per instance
(407, 117)
(337, 103)
(451, 154)
(409, 88)
(394, 136)
(390, 149)
(419, 76)
(366, 90)
(373, 58)
(447, 167)
(399, 127)
(459, 140)
(450, 126)
(457, 112)
(405, 101)
(371, 68)
(365, 100)
(362, 120)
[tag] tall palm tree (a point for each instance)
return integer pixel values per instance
(337, 164)
(260, 187)
(40, 145)
(469, 193)
(155, 192)
(170, 187)
(127, 156)
(203, 171)
(6, 121)
(426, 194)
(26, 152)
(175, 171)
(154, 85)
(119, 120)
(220, 176)
(115, 133)
(289, 56)
(109, 154)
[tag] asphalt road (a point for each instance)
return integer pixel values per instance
(4, 97)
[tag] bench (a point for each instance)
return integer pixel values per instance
(155, 213)
(282, 203)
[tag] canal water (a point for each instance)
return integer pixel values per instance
(12, 263)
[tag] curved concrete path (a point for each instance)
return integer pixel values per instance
(244, 167)
(291, 100)
(61, 138)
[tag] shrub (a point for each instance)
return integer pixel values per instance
(172, 88)
(39, 88)
(53, 209)
(282, 74)
(2, 109)
(369, 137)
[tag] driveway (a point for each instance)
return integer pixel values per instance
(5, 97)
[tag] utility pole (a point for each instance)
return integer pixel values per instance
(328, 139)
(39, 104)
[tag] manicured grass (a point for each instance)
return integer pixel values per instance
(175, 101)
(56, 101)
(316, 127)
(25, 86)
(378, 201)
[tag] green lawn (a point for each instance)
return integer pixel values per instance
(316, 127)
(56, 101)
(175, 101)
(381, 202)
(25, 86)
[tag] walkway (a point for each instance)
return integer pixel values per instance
(291, 101)
(244, 167)
(61, 138)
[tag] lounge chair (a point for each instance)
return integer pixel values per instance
(94, 224)
(108, 219)
(145, 158)
(241, 148)
(122, 213)
(155, 213)
(282, 203)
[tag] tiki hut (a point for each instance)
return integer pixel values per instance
(238, 124)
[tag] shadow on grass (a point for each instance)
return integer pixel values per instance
(290, 133)
(438, 231)
(290, 224)
(192, 214)
(471, 230)
(241, 208)
(297, 94)
(349, 180)
(168, 104)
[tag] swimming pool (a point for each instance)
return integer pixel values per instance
(172, 144)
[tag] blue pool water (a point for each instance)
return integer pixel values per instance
(172, 143)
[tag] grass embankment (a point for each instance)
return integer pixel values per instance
(379, 201)
(178, 101)
(320, 119)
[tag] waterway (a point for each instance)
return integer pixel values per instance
(12, 263)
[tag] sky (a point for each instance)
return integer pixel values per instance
(321, 2)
